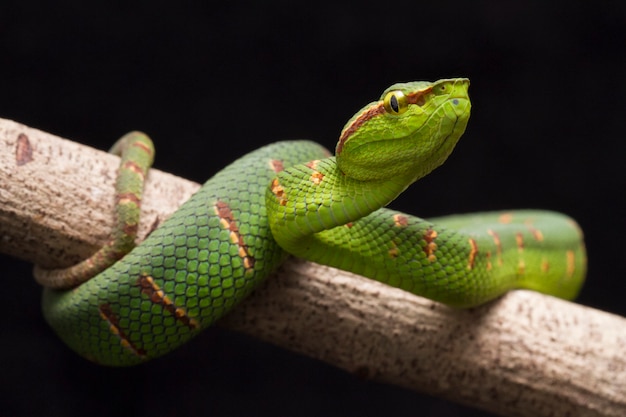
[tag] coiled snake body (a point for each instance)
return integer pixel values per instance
(293, 198)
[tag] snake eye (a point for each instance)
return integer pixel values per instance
(395, 102)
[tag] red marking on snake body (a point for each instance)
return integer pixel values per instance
(130, 229)
(278, 191)
(135, 168)
(505, 218)
(276, 165)
(143, 147)
(317, 177)
(227, 219)
(312, 164)
(111, 318)
(429, 249)
(23, 150)
(498, 243)
(400, 220)
(394, 252)
(489, 266)
(536, 233)
(519, 241)
(472, 254)
(124, 198)
(156, 295)
(369, 113)
(417, 97)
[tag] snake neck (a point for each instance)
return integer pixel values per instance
(316, 196)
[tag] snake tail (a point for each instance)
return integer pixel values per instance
(137, 154)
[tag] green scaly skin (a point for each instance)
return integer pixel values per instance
(227, 238)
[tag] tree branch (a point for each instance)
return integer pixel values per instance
(525, 354)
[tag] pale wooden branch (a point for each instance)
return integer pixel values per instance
(523, 355)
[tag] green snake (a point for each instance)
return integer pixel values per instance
(294, 198)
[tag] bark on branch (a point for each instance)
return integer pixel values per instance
(523, 355)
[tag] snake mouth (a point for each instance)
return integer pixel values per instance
(454, 110)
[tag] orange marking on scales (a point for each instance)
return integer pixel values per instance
(536, 233)
(472, 254)
(143, 147)
(317, 177)
(505, 218)
(136, 169)
(400, 220)
(227, 220)
(156, 295)
(276, 165)
(394, 252)
(498, 243)
(278, 191)
(312, 164)
(418, 97)
(130, 229)
(489, 266)
(519, 241)
(367, 114)
(429, 249)
(126, 198)
(107, 314)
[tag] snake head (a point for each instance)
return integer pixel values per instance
(410, 131)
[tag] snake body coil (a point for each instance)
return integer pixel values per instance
(291, 197)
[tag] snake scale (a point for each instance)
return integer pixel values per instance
(294, 198)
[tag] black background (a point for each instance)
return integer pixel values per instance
(210, 81)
